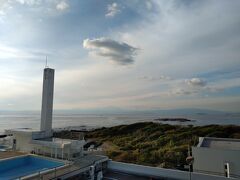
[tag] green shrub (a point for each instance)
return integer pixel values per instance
(157, 144)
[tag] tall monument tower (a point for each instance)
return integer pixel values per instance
(47, 100)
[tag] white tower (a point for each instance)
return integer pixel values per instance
(47, 100)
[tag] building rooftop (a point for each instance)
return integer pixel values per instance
(22, 130)
(219, 143)
(89, 160)
(52, 142)
(56, 140)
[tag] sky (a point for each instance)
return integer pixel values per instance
(115, 54)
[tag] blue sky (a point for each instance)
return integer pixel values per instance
(131, 54)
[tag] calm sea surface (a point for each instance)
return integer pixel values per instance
(9, 120)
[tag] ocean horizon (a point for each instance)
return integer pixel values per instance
(31, 119)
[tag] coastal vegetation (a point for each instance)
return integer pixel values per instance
(154, 144)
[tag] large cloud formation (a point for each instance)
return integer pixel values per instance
(118, 52)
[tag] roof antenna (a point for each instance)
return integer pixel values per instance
(46, 65)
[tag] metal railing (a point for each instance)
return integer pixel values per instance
(43, 172)
(84, 168)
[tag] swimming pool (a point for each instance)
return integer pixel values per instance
(25, 165)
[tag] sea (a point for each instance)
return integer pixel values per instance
(11, 120)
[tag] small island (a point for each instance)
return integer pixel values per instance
(173, 119)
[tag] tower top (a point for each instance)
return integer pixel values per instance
(46, 65)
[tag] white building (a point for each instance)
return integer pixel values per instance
(41, 141)
(220, 156)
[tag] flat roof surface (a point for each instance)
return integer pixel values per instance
(23, 130)
(221, 143)
(81, 163)
(9, 154)
(115, 175)
(55, 140)
(88, 160)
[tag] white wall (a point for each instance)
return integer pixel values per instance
(159, 172)
(23, 141)
(212, 160)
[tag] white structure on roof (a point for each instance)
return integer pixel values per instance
(42, 142)
(136, 172)
(220, 156)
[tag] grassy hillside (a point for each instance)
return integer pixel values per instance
(156, 144)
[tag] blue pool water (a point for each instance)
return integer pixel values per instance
(26, 165)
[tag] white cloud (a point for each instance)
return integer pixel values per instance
(21, 88)
(7, 52)
(118, 52)
(180, 91)
(198, 86)
(196, 82)
(112, 10)
(158, 78)
(4, 6)
(29, 2)
(49, 7)
(61, 6)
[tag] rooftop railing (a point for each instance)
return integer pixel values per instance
(49, 173)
